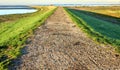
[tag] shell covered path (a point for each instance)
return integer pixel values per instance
(60, 45)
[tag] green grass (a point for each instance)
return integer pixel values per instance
(14, 34)
(104, 17)
(113, 11)
(12, 17)
(99, 30)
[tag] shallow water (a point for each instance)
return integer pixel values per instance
(16, 11)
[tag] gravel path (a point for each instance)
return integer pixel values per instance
(60, 45)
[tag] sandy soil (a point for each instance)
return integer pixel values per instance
(60, 45)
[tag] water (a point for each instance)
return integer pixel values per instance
(15, 7)
(5, 10)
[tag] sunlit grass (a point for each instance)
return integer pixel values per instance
(106, 10)
(13, 34)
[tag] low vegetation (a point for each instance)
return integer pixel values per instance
(113, 11)
(13, 34)
(98, 29)
(12, 17)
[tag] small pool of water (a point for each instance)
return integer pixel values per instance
(16, 11)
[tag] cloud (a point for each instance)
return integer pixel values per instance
(56, 1)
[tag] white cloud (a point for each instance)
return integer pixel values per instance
(56, 1)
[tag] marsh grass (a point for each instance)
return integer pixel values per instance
(99, 30)
(13, 34)
(113, 11)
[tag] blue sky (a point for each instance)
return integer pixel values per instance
(30, 2)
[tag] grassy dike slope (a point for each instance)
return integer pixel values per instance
(113, 11)
(14, 34)
(99, 30)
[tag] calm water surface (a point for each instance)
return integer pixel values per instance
(16, 11)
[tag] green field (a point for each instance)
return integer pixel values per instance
(101, 30)
(113, 11)
(15, 29)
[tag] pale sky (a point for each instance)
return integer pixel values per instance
(30, 2)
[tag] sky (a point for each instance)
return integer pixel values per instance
(34, 2)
